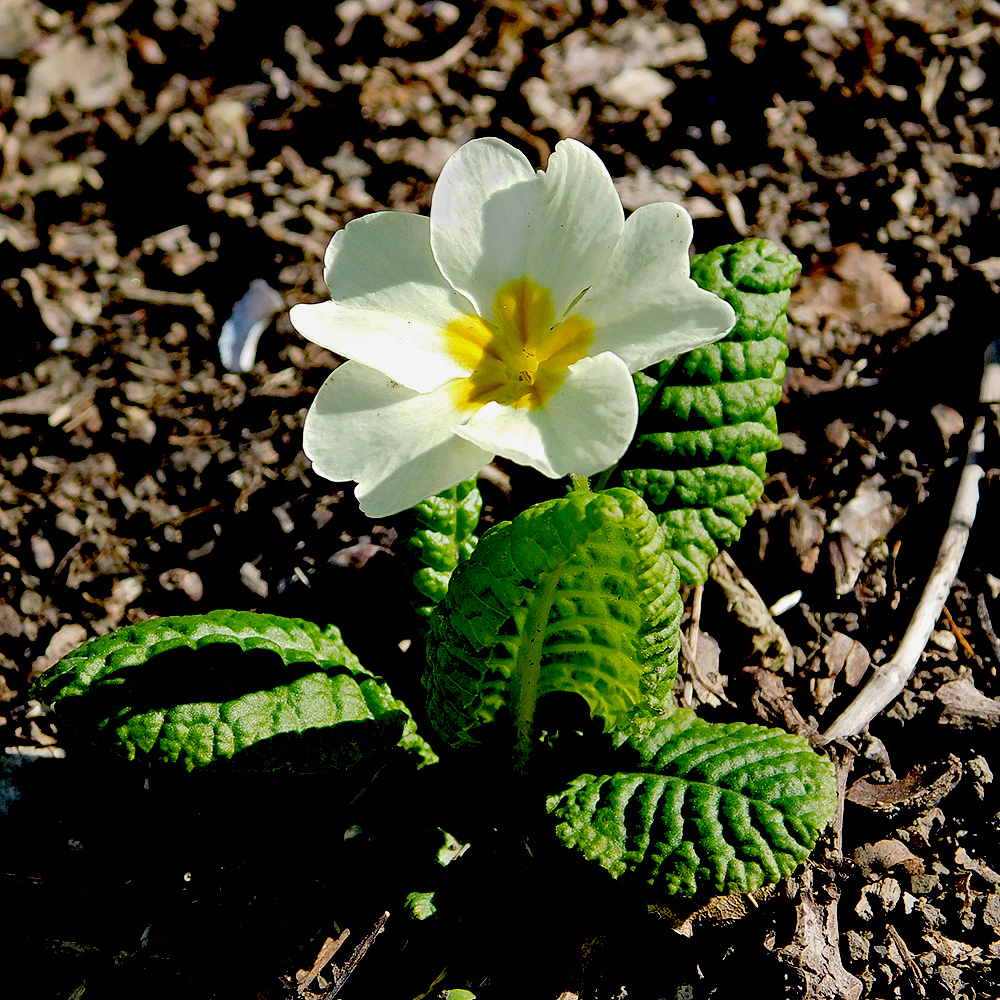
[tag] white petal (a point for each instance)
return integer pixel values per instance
(390, 303)
(478, 229)
(646, 307)
(493, 220)
(584, 428)
(397, 444)
(571, 244)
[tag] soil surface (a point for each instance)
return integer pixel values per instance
(159, 159)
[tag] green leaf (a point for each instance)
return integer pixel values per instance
(727, 807)
(450, 850)
(577, 594)
(319, 709)
(442, 536)
(708, 420)
(420, 905)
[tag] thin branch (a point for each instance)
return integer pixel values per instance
(352, 963)
(957, 633)
(330, 948)
(907, 957)
(889, 680)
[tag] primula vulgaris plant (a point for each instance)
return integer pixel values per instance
(507, 323)
(525, 318)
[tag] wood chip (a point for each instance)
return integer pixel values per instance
(965, 706)
(923, 787)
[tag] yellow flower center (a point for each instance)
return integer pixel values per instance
(521, 358)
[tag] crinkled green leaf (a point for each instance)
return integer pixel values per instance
(320, 709)
(727, 807)
(420, 905)
(582, 591)
(442, 536)
(708, 420)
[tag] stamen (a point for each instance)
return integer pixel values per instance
(521, 358)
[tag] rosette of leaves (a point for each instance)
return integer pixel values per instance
(707, 417)
(726, 807)
(442, 536)
(170, 690)
(577, 594)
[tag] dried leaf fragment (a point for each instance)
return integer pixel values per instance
(806, 531)
(98, 75)
(842, 653)
(742, 597)
(867, 517)
(876, 859)
(965, 706)
(921, 788)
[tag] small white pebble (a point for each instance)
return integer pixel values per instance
(944, 640)
(836, 17)
(786, 603)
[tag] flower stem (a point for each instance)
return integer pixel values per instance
(579, 484)
(603, 477)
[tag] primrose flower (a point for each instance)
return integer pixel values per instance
(507, 323)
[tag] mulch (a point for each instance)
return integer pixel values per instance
(159, 159)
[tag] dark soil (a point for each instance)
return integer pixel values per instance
(157, 159)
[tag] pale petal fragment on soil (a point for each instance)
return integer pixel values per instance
(242, 331)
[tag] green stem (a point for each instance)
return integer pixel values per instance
(578, 484)
(528, 668)
(603, 477)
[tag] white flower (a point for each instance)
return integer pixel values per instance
(505, 324)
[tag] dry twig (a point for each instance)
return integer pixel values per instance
(889, 680)
(987, 625)
(330, 948)
(342, 975)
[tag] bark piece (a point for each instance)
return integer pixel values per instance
(878, 858)
(813, 954)
(965, 706)
(921, 788)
